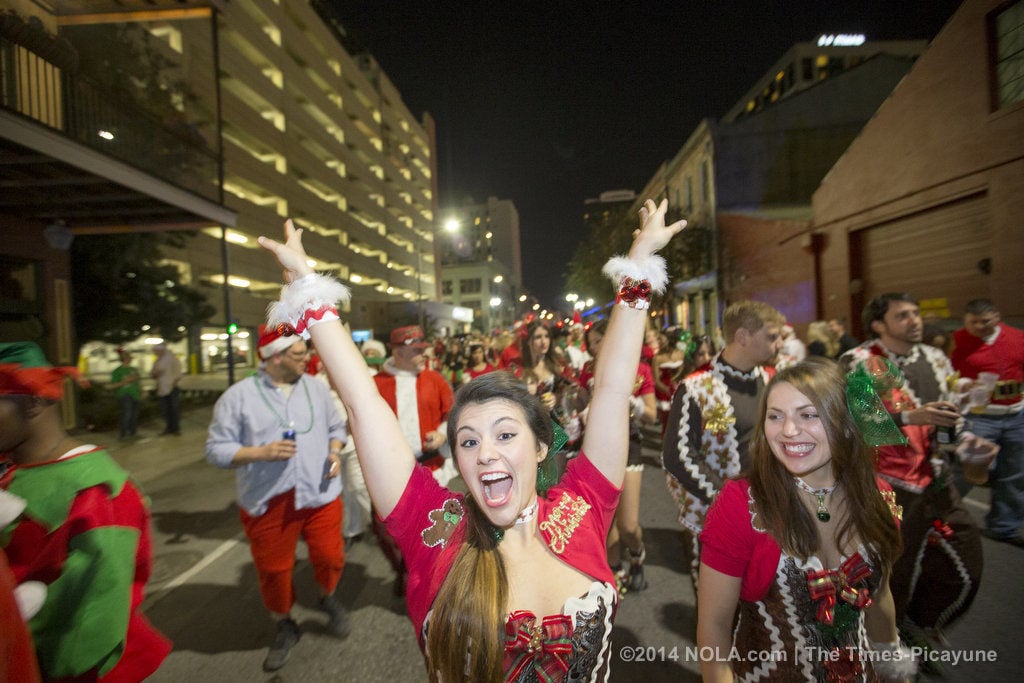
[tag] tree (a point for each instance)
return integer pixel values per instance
(121, 284)
(610, 233)
(687, 255)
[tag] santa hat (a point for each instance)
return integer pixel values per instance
(25, 371)
(374, 345)
(274, 340)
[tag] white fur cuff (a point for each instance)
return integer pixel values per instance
(310, 291)
(892, 661)
(651, 268)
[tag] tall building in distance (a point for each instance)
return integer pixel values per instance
(481, 261)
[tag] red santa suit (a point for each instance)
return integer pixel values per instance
(421, 402)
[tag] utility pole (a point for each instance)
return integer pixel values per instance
(228, 322)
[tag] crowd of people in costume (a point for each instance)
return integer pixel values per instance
(819, 485)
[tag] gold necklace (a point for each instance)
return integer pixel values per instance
(822, 512)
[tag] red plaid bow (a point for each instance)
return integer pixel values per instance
(546, 647)
(827, 584)
(633, 290)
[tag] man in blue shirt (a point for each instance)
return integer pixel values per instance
(280, 431)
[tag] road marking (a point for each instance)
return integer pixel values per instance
(190, 572)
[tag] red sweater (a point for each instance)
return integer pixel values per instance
(1004, 356)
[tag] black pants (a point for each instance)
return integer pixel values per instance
(936, 577)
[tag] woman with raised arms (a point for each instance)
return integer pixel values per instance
(510, 581)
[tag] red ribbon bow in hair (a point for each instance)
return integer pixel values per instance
(633, 290)
(545, 646)
(827, 584)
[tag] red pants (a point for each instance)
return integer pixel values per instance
(273, 537)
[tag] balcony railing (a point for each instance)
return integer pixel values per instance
(105, 120)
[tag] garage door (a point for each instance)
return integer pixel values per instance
(936, 254)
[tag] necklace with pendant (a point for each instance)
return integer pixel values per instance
(822, 512)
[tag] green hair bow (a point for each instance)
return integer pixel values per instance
(687, 343)
(864, 386)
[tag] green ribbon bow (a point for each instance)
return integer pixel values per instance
(547, 470)
(452, 518)
(687, 343)
(864, 386)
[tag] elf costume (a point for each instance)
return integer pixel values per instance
(85, 534)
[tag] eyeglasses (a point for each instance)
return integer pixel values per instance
(298, 356)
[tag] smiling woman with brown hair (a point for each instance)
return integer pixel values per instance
(509, 581)
(802, 546)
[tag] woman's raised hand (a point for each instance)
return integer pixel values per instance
(653, 233)
(290, 254)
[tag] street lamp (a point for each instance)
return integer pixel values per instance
(451, 225)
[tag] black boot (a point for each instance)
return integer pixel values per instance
(636, 581)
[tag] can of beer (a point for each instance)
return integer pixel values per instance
(289, 434)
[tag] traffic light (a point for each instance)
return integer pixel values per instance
(232, 327)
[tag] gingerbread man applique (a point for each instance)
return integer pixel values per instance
(444, 519)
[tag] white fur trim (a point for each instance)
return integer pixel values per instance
(277, 346)
(310, 291)
(10, 507)
(892, 661)
(30, 597)
(651, 268)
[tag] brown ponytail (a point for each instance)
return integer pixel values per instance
(466, 634)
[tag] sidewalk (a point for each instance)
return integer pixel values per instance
(149, 455)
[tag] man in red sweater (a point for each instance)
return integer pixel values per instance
(984, 344)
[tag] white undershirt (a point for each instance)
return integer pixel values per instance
(408, 410)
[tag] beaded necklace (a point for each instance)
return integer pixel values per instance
(284, 422)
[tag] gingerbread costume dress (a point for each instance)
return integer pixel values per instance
(429, 525)
(798, 620)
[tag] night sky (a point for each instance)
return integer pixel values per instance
(548, 104)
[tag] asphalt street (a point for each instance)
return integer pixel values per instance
(203, 593)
